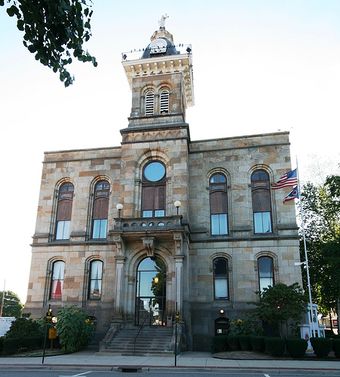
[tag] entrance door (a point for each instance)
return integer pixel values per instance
(151, 292)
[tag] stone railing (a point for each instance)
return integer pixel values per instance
(154, 224)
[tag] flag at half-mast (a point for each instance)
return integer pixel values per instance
(287, 180)
(294, 194)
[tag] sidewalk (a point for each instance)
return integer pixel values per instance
(91, 359)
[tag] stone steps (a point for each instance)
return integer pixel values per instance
(150, 340)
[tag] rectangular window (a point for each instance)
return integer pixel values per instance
(147, 214)
(219, 224)
(221, 288)
(262, 222)
(159, 213)
(63, 230)
(99, 228)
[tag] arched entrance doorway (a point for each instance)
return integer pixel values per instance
(151, 292)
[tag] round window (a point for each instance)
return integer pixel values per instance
(154, 171)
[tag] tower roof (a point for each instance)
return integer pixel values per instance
(162, 43)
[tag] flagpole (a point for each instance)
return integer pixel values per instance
(311, 315)
(2, 299)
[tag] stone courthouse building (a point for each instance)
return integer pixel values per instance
(161, 223)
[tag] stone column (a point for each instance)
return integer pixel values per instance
(179, 281)
(179, 257)
(120, 262)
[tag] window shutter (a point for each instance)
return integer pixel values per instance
(149, 103)
(159, 197)
(164, 102)
(148, 198)
(64, 210)
(218, 202)
(101, 208)
(261, 200)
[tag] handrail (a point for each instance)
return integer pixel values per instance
(138, 332)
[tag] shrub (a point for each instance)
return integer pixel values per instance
(245, 344)
(321, 346)
(10, 346)
(220, 344)
(23, 328)
(74, 328)
(296, 347)
(275, 346)
(1, 344)
(336, 347)
(257, 343)
(233, 342)
(202, 342)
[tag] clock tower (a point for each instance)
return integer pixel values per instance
(161, 81)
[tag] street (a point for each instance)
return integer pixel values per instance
(11, 372)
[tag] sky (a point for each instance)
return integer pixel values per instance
(259, 66)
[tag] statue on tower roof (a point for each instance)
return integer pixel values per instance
(161, 22)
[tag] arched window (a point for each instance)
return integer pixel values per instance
(57, 280)
(64, 211)
(265, 267)
(218, 204)
(95, 280)
(260, 189)
(100, 209)
(164, 102)
(221, 283)
(153, 189)
(149, 102)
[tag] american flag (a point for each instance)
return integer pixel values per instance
(294, 194)
(287, 180)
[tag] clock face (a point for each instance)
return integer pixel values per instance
(158, 46)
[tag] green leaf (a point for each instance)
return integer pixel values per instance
(12, 10)
(20, 25)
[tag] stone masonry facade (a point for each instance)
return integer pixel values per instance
(182, 238)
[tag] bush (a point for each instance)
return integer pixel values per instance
(74, 328)
(321, 346)
(275, 346)
(14, 345)
(202, 342)
(10, 346)
(245, 344)
(296, 347)
(219, 344)
(23, 328)
(257, 343)
(336, 347)
(1, 344)
(233, 342)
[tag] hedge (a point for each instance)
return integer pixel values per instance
(245, 344)
(275, 346)
(219, 344)
(336, 347)
(257, 343)
(321, 346)
(296, 347)
(233, 342)
(14, 345)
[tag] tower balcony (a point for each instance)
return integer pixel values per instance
(148, 224)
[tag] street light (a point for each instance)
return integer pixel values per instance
(48, 319)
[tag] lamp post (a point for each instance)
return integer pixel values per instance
(48, 319)
(177, 204)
